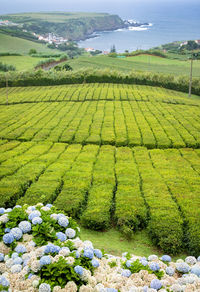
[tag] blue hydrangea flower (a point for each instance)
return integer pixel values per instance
(59, 215)
(63, 221)
(15, 255)
(156, 284)
(128, 264)
(7, 230)
(111, 290)
(1, 257)
(49, 205)
(16, 269)
(36, 220)
(196, 270)
(166, 258)
(57, 248)
(144, 262)
(70, 233)
(20, 248)
(2, 211)
(95, 263)
(198, 259)
(31, 208)
(61, 236)
(77, 254)
(17, 206)
(170, 271)
(34, 214)
(8, 238)
(30, 275)
(154, 266)
(4, 282)
(88, 253)
(98, 253)
(44, 287)
(25, 226)
(126, 273)
(183, 268)
(17, 233)
(8, 210)
(51, 248)
(78, 270)
(145, 289)
(17, 261)
(45, 260)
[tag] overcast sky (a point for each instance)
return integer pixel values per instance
(9, 6)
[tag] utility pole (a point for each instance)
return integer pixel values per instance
(6, 88)
(194, 56)
(190, 83)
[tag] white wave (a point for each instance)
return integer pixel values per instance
(137, 28)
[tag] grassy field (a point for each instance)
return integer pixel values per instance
(110, 155)
(137, 63)
(21, 63)
(17, 45)
(52, 16)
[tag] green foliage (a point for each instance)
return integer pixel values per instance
(15, 217)
(101, 76)
(32, 51)
(6, 68)
(112, 264)
(59, 273)
(136, 267)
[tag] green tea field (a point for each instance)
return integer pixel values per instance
(126, 156)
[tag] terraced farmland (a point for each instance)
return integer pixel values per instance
(107, 154)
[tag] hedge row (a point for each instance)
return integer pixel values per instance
(48, 186)
(101, 76)
(100, 197)
(130, 209)
(183, 182)
(77, 182)
(133, 188)
(165, 223)
(119, 123)
(17, 173)
(93, 91)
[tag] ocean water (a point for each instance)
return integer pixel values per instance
(170, 21)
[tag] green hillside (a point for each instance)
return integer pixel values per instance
(108, 154)
(74, 26)
(137, 63)
(17, 45)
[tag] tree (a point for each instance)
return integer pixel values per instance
(32, 51)
(113, 49)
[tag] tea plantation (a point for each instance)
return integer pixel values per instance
(122, 155)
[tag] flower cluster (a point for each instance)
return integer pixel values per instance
(28, 264)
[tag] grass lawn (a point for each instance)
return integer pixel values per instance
(137, 63)
(21, 63)
(113, 242)
(53, 16)
(17, 45)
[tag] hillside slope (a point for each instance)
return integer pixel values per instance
(17, 45)
(74, 26)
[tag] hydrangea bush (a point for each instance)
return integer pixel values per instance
(40, 250)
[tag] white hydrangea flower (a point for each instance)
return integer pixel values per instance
(88, 243)
(70, 260)
(54, 216)
(4, 218)
(35, 283)
(45, 209)
(71, 286)
(35, 266)
(16, 269)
